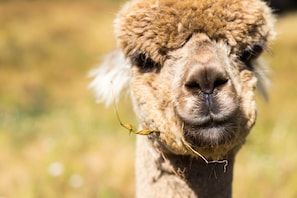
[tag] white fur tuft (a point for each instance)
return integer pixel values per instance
(111, 77)
(262, 73)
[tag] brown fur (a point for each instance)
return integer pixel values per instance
(159, 26)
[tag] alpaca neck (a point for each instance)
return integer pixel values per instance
(171, 175)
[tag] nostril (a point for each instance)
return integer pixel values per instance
(192, 85)
(219, 82)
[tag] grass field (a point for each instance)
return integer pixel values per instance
(55, 141)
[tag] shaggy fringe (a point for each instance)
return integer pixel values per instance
(112, 76)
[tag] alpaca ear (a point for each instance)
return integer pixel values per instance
(111, 77)
(262, 73)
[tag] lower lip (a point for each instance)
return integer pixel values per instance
(210, 134)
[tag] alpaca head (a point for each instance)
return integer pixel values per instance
(192, 69)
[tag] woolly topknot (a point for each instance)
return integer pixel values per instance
(154, 27)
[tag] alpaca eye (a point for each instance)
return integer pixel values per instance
(249, 55)
(144, 63)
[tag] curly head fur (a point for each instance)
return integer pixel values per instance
(155, 27)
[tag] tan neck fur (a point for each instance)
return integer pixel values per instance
(168, 175)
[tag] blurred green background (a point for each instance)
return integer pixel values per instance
(55, 141)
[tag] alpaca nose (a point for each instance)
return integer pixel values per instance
(206, 79)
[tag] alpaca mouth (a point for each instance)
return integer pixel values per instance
(211, 132)
(205, 127)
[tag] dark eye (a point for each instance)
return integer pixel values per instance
(249, 55)
(144, 63)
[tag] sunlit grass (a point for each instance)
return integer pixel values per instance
(55, 141)
(47, 114)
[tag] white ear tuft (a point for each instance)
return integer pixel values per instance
(262, 72)
(111, 77)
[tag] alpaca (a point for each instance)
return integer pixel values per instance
(191, 67)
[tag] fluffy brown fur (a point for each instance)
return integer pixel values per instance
(156, 27)
(192, 68)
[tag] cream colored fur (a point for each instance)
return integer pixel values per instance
(112, 75)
